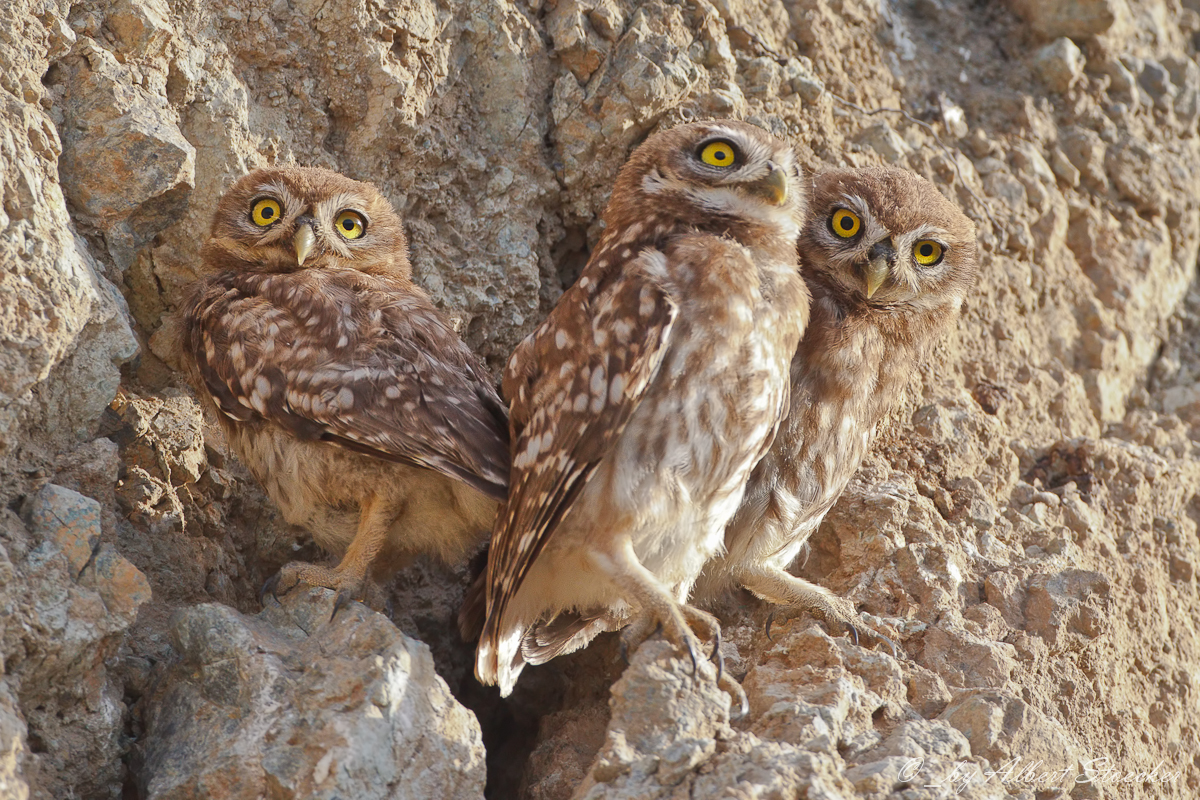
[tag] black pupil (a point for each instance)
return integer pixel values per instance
(721, 155)
(926, 250)
(268, 212)
(348, 224)
(847, 223)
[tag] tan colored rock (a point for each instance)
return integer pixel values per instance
(13, 748)
(66, 611)
(1025, 527)
(292, 703)
(1077, 18)
(127, 170)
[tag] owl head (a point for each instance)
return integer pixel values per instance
(282, 220)
(887, 239)
(715, 176)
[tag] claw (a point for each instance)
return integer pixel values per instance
(695, 661)
(854, 631)
(95, 545)
(770, 619)
(741, 705)
(344, 599)
(718, 657)
(270, 585)
(891, 644)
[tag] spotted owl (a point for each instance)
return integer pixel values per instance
(336, 380)
(640, 404)
(888, 261)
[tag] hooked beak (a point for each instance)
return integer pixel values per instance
(304, 240)
(880, 266)
(774, 187)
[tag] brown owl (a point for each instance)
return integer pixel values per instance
(641, 403)
(888, 261)
(336, 380)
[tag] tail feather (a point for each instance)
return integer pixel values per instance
(498, 660)
(566, 633)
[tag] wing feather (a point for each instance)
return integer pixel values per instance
(347, 358)
(572, 385)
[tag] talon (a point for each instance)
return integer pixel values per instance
(741, 705)
(854, 632)
(344, 599)
(695, 662)
(270, 585)
(718, 656)
(94, 542)
(770, 619)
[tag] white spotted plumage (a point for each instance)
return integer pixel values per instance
(850, 370)
(315, 367)
(683, 324)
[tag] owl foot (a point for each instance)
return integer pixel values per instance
(687, 628)
(796, 594)
(348, 585)
(860, 630)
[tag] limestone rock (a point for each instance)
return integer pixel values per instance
(293, 704)
(127, 169)
(1060, 64)
(1025, 525)
(1076, 19)
(68, 599)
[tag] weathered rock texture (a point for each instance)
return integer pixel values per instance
(1026, 527)
(299, 703)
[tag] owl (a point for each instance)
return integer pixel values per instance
(641, 403)
(337, 382)
(888, 261)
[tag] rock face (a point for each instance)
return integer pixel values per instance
(293, 703)
(1026, 526)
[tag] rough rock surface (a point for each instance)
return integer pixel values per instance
(1026, 527)
(294, 703)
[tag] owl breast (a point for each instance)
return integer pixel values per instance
(706, 420)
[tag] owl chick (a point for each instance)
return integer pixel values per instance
(888, 261)
(336, 380)
(641, 403)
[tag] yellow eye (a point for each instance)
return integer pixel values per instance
(265, 212)
(350, 224)
(845, 224)
(718, 154)
(927, 252)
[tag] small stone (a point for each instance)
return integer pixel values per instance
(1064, 170)
(1179, 397)
(1156, 80)
(1077, 19)
(69, 519)
(1059, 64)
(1086, 150)
(141, 27)
(953, 117)
(881, 138)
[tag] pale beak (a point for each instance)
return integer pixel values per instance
(877, 273)
(774, 187)
(880, 266)
(304, 241)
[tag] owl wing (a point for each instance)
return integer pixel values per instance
(330, 357)
(572, 387)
